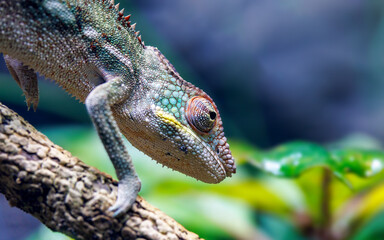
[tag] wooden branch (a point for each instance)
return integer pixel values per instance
(66, 195)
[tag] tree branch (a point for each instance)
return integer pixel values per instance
(65, 194)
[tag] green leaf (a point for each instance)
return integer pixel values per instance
(293, 158)
(287, 160)
(364, 163)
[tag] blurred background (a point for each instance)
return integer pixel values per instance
(278, 71)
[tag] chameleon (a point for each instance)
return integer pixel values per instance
(92, 50)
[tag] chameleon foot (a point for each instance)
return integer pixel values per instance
(126, 195)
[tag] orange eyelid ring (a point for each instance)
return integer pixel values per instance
(201, 114)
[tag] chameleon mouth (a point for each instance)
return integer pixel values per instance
(227, 159)
(211, 163)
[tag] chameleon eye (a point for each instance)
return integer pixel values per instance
(201, 114)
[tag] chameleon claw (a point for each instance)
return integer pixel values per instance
(32, 101)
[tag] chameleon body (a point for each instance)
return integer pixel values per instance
(91, 50)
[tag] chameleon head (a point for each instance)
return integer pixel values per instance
(203, 117)
(195, 139)
(176, 123)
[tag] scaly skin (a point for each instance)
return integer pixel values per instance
(91, 50)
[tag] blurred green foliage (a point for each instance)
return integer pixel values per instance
(255, 203)
(276, 194)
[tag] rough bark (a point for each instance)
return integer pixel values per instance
(66, 195)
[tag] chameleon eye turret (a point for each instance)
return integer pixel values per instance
(201, 114)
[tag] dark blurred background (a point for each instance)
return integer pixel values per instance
(278, 70)
(282, 70)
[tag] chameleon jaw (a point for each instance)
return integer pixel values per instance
(211, 169)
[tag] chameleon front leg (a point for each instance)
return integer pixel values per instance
(98, 104)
